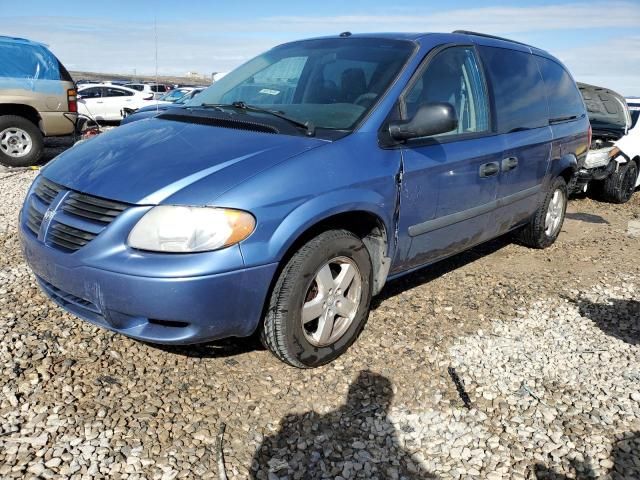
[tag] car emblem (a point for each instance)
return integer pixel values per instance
(48, 215)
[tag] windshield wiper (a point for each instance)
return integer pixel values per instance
(309, 127)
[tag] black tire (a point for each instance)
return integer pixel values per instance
(534, 234)
(282, 330)
(37, 142)
(620, 185)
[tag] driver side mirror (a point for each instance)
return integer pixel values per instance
(430, 119)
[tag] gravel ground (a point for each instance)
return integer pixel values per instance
(502, 362)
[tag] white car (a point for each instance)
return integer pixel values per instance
(104, 102)
(634, 109)
(157, 90)
(611, 167)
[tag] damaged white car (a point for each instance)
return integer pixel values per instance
(610, 171)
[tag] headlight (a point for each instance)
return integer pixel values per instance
(190, 229)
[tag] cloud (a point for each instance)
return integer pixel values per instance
(106, 45)
(614, 63)
(495, 20)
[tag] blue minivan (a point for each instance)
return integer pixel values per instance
(283, 197)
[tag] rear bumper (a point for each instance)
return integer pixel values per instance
(57, 123)
(180, 310)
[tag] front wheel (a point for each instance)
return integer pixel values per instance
(320, 302)
(620, 185)
(546, 224)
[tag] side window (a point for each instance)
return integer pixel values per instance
(93, 92)
(453, 77)
(116, 92)
(565, 101)
(136, 86)
(518, 89)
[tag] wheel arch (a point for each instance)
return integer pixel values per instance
(365, 218)
(22, 110)
(566, 167)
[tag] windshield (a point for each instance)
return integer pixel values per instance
(331, 83)
(188, 96)
(173, 95)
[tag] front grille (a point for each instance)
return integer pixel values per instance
(33, 220)
(93, 208)
(77, 220)
(46, 190)
(70, 238)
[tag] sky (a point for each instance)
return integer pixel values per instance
(598, 40)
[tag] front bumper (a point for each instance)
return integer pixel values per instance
(168, 310)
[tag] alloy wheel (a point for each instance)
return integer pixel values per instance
(331, 301)
(555, 213)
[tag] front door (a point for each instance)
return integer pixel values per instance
(450, 181)
(114, 99)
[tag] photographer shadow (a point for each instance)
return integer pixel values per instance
(355, 441)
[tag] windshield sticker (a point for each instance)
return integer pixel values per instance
(268, 91)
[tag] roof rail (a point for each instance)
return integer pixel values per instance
(486, 35)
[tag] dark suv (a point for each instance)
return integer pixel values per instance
(284, 196)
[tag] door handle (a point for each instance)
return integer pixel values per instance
(509, 163)
(489, 169)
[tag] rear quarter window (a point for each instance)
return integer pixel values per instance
(518, 89)
(565, 101)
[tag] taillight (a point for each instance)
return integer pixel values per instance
(590, 135)
(72, 100)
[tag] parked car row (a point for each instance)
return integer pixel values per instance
(159, 106)
(109, 103)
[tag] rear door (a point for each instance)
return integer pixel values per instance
(450, 181)
(522, 120)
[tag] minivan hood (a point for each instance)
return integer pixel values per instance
(608, 111)
(155, 160)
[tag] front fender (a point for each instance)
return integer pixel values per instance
(314, 211)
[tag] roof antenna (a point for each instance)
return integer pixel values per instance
(155, 31)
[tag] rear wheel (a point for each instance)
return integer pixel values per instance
(21, 142)
(546, 224)
(620, 185)
(320, 301)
